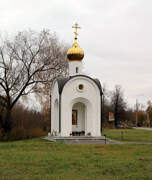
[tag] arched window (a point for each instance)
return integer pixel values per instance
(77, 69)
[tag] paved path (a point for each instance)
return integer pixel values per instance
(93, 142)
(109, 141)
(100, 141)
(143, 128)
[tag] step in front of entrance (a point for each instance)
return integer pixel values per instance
(54, 138)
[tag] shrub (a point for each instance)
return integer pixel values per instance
(26, 124)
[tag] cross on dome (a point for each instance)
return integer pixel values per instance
(75, 53)
(76, 27)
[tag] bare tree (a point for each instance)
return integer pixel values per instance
(28, 60)
(118, 104)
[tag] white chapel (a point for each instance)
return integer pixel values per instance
(76, 100)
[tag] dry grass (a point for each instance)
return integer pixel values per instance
(22, 133)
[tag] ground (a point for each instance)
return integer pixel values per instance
(39, 159)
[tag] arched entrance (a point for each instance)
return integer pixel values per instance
(78, 118)
(83, 124)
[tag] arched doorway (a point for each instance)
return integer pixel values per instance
(78, 118)
(84, 112)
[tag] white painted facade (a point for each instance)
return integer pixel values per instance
(76, 100)
(86, 101)
(55, 108)
(75, 68)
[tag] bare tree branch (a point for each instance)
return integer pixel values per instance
(28, 60)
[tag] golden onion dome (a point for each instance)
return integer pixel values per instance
(75, 53)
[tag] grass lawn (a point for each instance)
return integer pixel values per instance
(38, 159)
(134, 135)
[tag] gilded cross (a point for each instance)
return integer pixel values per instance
(76, 27)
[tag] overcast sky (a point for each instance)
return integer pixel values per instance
(116, 36)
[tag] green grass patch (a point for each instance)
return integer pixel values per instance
(130, 135)
(39, 159)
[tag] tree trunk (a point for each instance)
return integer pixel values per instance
(7, 124)
(1, 121)
(116, 117)
(116, 124)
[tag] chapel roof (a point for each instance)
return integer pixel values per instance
(63, 80)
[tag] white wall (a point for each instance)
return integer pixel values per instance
(54, 107)
(56, 116)
(90, 96)
(72, 67)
